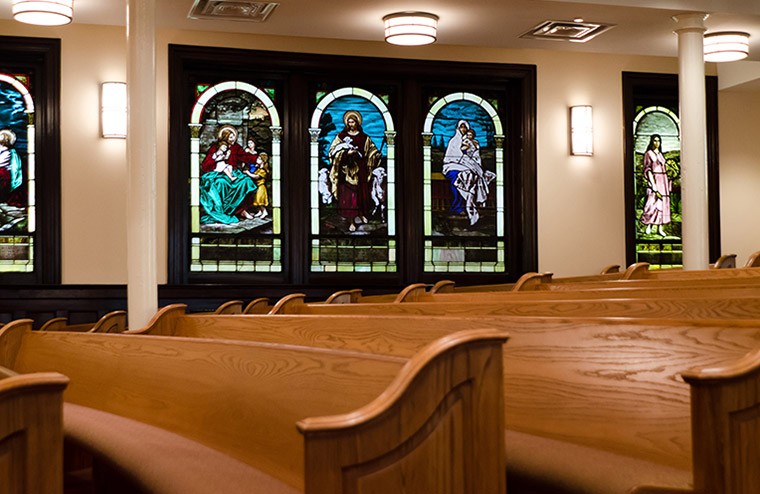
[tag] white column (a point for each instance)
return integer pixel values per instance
(142, 289)
(691, 87)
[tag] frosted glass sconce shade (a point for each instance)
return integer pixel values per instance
(113, 109)
(581, 131)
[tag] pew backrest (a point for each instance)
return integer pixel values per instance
(31, 432)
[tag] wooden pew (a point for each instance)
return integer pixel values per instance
(666, 308)
(201, 415)
(676, 289)
(31, 432)
(112, 322)
(591, 404)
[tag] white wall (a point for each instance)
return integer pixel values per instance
(580, 199)
(739, 114)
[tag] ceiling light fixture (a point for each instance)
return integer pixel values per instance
(726, 46)
(43, 12)
(410, 28)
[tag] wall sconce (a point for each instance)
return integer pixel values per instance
(581, 131)
(113, 110)
(43, 12)
(726, 46)
(410, 28)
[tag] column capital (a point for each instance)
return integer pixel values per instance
(690, 22)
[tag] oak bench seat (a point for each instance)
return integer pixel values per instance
(320, 421)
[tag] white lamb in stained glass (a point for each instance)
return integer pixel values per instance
(324, 187)
(377, 191)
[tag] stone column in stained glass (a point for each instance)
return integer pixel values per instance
(195, 222)
(390, 137)
(427, 183)
(276, 180)
(314, 133)
(499, 140)
(31, 174)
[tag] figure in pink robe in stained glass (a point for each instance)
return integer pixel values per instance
(657, 205)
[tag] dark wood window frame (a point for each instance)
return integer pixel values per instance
(41, 57)
(662, 89)
(191, 64)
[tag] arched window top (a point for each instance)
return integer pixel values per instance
(209, 93)
(440, 103)
(18, 86)
(656, 120)
(316, 117)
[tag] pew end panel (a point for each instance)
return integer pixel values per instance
(257, 306)
(443, 286)
(725, 412)
(726, 261)
(230, 307)
(345, 297)
(113, 322)
(753, 261)
(610, 269)
(295, 303)
(31, 432)
(55, 324)
(446, 404)
(411, 293)
(163, 323)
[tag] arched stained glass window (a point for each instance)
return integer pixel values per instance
(352, 173)
(235, 210)
(657, 170)
(17, 174)
(463, 140)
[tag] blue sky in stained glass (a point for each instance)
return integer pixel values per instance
(446, 120)
(12, 115)
(372, 120)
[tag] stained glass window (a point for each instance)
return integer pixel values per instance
(352, 173)
(657, 170)
(17, 174)
(235, 209)
(463, 163)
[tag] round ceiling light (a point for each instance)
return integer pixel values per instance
(410, 28)
(43, 12)
(726, 46)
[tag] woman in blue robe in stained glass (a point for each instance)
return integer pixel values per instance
(463, 168)
(224, 196)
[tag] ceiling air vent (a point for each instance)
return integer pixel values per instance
(232, 10)
(578, 32)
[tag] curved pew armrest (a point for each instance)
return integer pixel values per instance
(450, 392)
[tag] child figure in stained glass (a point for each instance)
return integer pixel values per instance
(259, 172)
(221, 157)
(657, 206)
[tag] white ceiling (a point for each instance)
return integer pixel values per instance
(642, 26)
